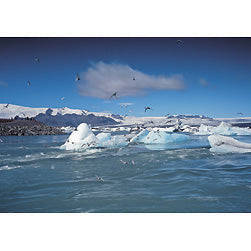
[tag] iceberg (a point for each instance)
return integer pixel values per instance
(103, 137)
(140, 136)
(114, 141)
(163, 138)
(84, 138)
(80, 138)
(224, 144)
(158, 137)
(223, 129)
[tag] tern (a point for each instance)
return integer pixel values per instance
(147, 108)
(114, 95)
(99, 179)
(78, 77)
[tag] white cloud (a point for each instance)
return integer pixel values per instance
(102, 80)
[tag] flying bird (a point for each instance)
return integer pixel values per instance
(99, 179)
(6, 106)
(29, 83)
(147, 108)
(123, 105)
(78, 77)
(114, 95)
(133, 163)
(239, 113)
(37, 59)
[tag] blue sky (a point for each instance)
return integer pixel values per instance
(214, 74)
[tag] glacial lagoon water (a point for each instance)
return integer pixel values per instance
(37, 176)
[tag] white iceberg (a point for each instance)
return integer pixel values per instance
(67, 129)
(103, 137)
(114, 141)
(84, 138)
(80, 138)
(164, 129)
(163, 138)
(140, 136)
(187, 128)
(158, 137)
(223, 129)
(106, 140)
(223, 144)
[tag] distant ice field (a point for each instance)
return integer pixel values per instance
(37, 176)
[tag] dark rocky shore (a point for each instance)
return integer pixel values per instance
(27, 128)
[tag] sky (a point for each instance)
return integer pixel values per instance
(205, 76)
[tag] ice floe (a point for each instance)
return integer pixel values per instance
(139, 137)
(224, 144)
(223, 129)
(158, 137)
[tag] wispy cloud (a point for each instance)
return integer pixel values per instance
(2, 83)
(207, 84)
(126, 104)
(101, 80)
(202, 81)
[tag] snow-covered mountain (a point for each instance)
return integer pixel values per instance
(10, 111)
(59, 116)
(63, 117)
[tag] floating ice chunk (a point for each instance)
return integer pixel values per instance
(164, 129)
(187, 128)
(223, 129)
(140, 136)
(114, 141)
(67, 129)
(80, 138)
(223, 144)
(106, 140)
(163, 138)
(102, 137)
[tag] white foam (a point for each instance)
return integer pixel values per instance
(6, 167)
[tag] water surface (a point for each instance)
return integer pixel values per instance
(36, 176)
